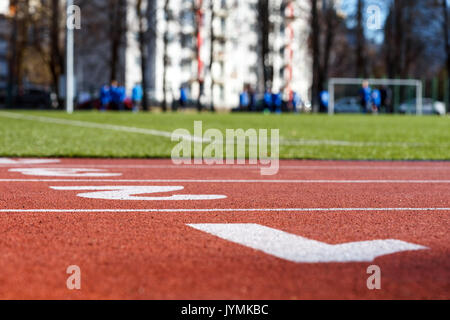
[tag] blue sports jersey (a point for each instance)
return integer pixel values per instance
(183, 94)
(268, 98)
(324, 98)
(105, 95)
(277, 99)
(376, 97)
(244, 99)
(136, 93)
(122, 94)
(366, 94)
(118, 94)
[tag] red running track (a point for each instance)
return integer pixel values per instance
(145, 249)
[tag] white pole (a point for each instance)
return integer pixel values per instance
(331, 97)
(419, 98)
(69, 62)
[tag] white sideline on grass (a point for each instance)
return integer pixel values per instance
(167, 134)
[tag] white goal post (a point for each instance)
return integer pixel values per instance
(378, 82)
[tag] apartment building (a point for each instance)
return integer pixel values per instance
(214, 47)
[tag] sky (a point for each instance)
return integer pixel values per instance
(349, 7)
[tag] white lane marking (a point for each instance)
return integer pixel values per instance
(256, 167)
(11, 162)
(167, 134)
(65, 172)
(152, 132)
(232, 181)
(130, 192)
(304, 210)
(298, 249)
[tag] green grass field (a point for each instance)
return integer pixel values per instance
(303, 136)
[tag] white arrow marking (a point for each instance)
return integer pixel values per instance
(295, 248)
(130, 192)
(65, 172)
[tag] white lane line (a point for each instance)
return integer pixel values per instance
(294, 248)
(65, 172)
(152, 132)
(21, 162)
(234, 181)
(247, 167)
(221, 210)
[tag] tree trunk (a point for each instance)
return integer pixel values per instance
(56, 56)
(12, 72)
(360, 41)
(198, 26)
(116, 20)
(211, 59)
(329, 41)
(389, 32)
(447, 45)
(143, 51)
(165, 55)
(264, 30)
(398, 37)
(315, 38)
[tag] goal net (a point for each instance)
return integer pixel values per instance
(400, 95)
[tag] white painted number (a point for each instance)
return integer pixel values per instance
(295, 248)
(130, 192)
(65, 172)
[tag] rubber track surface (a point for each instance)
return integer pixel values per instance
(155, 255)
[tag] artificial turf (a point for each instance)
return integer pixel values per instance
(303, 136)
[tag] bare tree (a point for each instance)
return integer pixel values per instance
(198, 12)
(413, 39)
(142, 38)
(212, 37)
(446, 26)
(264, 31)
(167, 17)
(331, 29)
(56, 52)
(315, 41)
(12, 63)
(360, 41)
(117, 28)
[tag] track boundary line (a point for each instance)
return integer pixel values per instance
(249, 167)
(217, 210)
(233, 181)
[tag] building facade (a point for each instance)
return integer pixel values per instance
(213, 47)
(210, 47)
